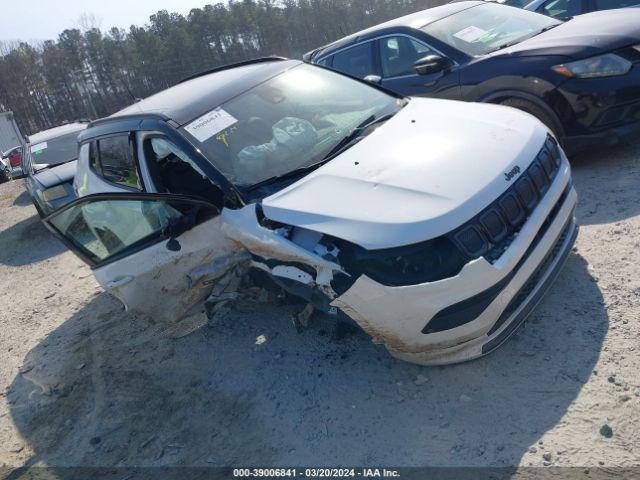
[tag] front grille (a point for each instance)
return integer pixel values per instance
(490, 233)
(467, 310)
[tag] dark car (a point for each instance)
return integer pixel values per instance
(581, 77)
(566, 9)
(50, 165)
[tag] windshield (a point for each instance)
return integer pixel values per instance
(54, 151)
(485, 28)
(286, 123)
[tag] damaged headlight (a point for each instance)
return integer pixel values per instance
(409, 265)
(607, 65)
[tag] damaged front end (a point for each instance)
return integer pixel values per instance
(320, 268)
(452, 298)
(297, 260)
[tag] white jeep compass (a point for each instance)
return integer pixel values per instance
(434, 225)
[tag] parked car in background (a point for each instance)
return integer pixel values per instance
(11, 142)
(5, 171)
(434, 225)
(566, 9)
(581, 78)
(12, 158)
(50, 165)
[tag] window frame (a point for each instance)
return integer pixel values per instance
(135, 247)
(132, 138)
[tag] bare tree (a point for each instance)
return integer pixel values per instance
(88, 21)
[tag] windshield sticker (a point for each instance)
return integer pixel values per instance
(211, 123)
(38, 148)
(470, 34)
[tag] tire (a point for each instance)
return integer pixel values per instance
(537, 111)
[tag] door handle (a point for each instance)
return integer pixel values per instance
(119, 282)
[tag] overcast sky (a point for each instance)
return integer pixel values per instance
(45, 19)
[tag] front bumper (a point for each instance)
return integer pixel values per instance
(604, 138)
(396, 316)
(605, 110)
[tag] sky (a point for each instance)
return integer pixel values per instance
(34, 20)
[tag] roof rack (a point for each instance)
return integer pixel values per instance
(234, 65)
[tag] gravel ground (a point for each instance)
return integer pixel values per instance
(82, 383)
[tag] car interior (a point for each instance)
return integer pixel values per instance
(172, 171)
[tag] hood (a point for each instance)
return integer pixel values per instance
(584, 35)
(56, 175)
(431, 167)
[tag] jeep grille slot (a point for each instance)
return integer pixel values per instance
(490, 233)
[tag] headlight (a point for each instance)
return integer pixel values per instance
(637, 47)
(54, 193)
(607, 65)
(409, 265)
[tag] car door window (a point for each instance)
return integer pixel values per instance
(116, 161)
(102, 228)
(398, 54)
(562, 8)
(173, 171)
(356, 61)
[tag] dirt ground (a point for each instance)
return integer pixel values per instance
(83, 383)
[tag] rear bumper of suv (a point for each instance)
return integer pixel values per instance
(498, 295)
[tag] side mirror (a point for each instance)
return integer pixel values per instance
(377, 79)
(432, 64)
(177, 226)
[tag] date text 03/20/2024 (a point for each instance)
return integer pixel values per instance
(315, 473)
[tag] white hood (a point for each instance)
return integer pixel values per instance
(427, 170)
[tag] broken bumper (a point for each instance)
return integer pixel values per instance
(497, 297)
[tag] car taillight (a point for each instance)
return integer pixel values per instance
(15, 160)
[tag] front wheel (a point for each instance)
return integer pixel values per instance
(537, 111)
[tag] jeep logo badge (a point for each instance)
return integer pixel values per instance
(512, 173)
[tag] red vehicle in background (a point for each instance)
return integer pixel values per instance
(12, 160)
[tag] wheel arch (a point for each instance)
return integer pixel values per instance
(500, 95)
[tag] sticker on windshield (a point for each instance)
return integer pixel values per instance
(211, 123)
(470, 34)
(38, 148)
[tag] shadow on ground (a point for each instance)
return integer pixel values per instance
(110, 389)
(27, 242)
(607, 182)
(23, 199)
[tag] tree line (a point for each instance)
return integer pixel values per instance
(90, 73)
